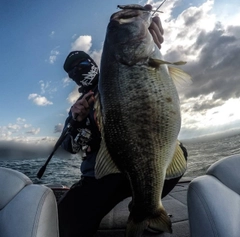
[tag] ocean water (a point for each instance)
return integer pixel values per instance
(59, 170)
(65, 169)
(204, 153)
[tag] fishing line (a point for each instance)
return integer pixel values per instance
(158, 7)
(141, 8)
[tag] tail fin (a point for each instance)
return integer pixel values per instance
(159, 222)
(135, 229)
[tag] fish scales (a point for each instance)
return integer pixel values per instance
(139, 121)
(140, 116)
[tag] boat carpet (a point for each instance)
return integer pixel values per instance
(175, 203)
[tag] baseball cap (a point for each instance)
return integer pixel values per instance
(73, 56)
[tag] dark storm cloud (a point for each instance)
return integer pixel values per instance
(217, 69)
(192, 19)
(203, 106)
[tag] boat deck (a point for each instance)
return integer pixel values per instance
(175, 203)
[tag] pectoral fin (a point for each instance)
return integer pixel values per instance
(180, 78)
(155, 61)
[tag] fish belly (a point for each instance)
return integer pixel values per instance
(141, 117)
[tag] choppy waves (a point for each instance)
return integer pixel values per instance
(203, 154)
(58, 171)
(64, 169)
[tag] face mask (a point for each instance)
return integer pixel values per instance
(85, 74)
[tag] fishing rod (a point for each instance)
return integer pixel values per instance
(65, 132)
(158, 7)
(58, 143)
(141, 8)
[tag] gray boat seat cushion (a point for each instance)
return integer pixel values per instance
(214, 200)
(26, 209)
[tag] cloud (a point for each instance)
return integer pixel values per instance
(13, 127)
(27, 125)
(96, 56)
(52, 34)
(73, 96)
(33, 131)
(83, 42)
(58, 128)
(21, 120)
(39, 100)
(53, 56)
(20, 130)
(202, 104)
(203, 116)
(66, 81)
(217, 68)
(44, 86)
(74, 36)
(211, 47)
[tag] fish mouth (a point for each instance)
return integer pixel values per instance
(128, 15)
(128, 33)
(130, 20)
(125, 16)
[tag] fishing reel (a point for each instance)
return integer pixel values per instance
(82, 138)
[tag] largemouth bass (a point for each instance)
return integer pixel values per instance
(139, 117)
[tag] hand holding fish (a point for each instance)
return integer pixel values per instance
(81, 107)
(155, 28)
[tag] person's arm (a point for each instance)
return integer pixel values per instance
(79, 111)
(70, 142)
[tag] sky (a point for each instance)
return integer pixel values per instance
(36, 37)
